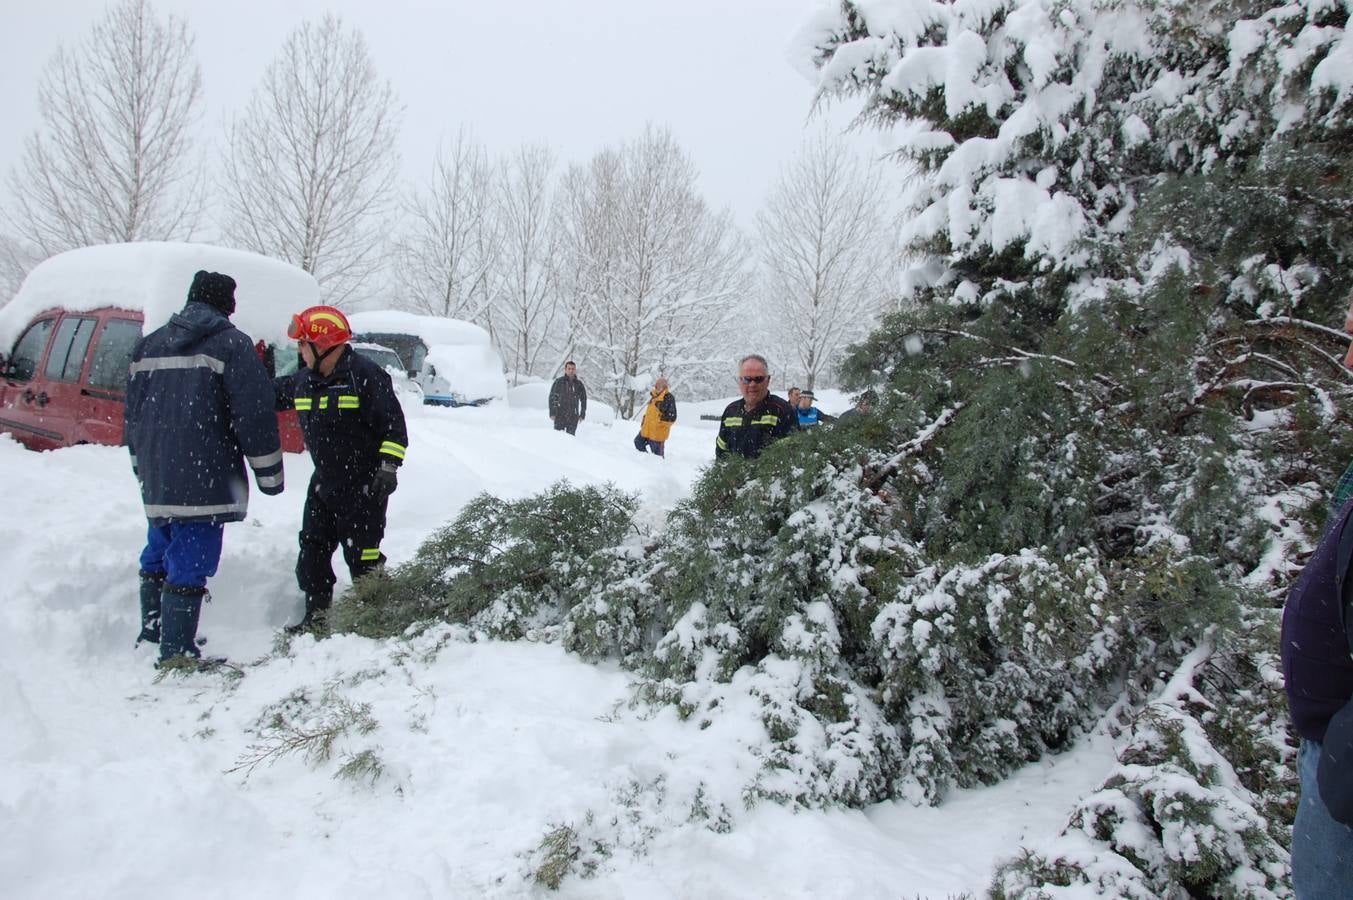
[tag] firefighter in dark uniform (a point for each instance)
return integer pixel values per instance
(751, 424)
(354, 429)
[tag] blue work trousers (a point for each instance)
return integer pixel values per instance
(186, 553)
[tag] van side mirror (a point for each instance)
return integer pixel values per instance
(4, 364)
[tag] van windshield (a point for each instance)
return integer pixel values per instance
(410, 347)
(382, 356)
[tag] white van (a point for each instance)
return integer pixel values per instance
(452, 360)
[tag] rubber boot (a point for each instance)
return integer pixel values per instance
(179, 610)
(152, 584)
(316, 611)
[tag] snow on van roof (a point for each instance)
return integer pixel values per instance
(152, 277)
(432, 329)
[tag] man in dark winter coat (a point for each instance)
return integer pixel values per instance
(568, 400)
(1317, 637)
(199, 404)
(751, 424)
(354, 428)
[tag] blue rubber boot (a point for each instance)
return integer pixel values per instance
(152, 584)
(179, 610)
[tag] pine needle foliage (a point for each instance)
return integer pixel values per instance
(506, 567)
(311, 725)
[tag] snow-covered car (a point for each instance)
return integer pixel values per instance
(406, 389)
(452, 360)
(462, 375)
(66, 338)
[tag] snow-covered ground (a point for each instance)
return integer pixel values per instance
(115, 785)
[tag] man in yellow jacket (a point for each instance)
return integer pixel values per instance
(658, 419)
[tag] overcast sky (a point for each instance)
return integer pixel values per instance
(578, 74)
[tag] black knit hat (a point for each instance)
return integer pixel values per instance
(213, 289)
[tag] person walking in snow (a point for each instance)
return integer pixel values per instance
(659, 415)
(355, 432)
(809, 415)
(568, 400)
(199, 404)
(760, 418)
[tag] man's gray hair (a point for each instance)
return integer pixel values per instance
(756, 356)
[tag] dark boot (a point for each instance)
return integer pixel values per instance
(316, 612)
(151, 585)
(179, 610)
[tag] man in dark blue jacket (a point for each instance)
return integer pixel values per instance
(199, 403)
(354, 429)
(1318, 672)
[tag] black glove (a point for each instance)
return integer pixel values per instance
(385, 482)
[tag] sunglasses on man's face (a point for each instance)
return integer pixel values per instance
(753, 379)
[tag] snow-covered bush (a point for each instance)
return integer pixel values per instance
(507, 568)
(1176, 818)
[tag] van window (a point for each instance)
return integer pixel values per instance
(285, 360)
(24, 363)
(113, 354)
(67, 356)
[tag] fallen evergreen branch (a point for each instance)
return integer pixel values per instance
(296, 725)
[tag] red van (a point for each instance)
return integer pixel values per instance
(63, 380)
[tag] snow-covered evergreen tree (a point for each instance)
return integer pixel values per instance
(1110, 415)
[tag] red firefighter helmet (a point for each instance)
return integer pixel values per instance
(323, 326)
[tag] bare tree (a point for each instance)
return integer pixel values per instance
(652, 272)
(588, 205)
(311, 164)
(17, 258)
(825, 252)
(113, 159)
(448, 249)
(527, 304)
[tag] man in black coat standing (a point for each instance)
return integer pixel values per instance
(568, 400)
